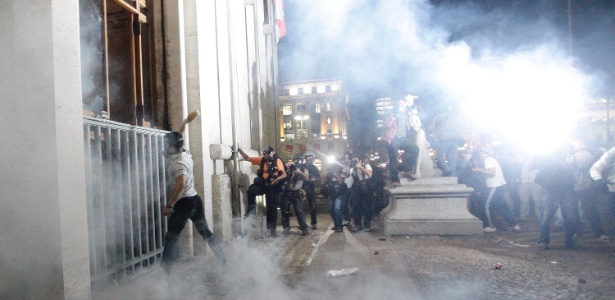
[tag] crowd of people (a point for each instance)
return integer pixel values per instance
(565, 187)
(349, 185)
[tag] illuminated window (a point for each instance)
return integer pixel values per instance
(329, 120)
(328, 106)
(321, 89)
(307, 89)
(335, 87)
(287, 110)
(293, 91)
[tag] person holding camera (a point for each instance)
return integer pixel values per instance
(347, 202)
(297, 174)
(335, 189)
(364, 200)
(308, 186)
(270, 182)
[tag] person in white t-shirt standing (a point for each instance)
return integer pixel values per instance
(494, 179)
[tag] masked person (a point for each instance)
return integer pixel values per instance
(335, 190)
(364, 196)
(297, 174)
(184, 202)
(270, 181)
(308, 186)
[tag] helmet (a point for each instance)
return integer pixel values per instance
(308, 154)
(298, 156)
(267, 150)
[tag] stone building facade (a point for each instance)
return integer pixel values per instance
(140, 63)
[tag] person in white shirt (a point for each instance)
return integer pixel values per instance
(494, 179)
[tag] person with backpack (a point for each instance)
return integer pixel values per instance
(291, 196)
(269, 182)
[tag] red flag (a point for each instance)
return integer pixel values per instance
(280, 22)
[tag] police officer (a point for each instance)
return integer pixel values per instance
(308, 186)
(270, 181)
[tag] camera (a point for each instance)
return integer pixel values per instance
(354, 161)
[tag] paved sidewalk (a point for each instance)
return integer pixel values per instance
(396, 267)
(380, 271)
(289, 266)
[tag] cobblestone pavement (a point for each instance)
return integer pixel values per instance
(462, 267)
(440, 267)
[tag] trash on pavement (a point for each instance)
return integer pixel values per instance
(497, 265)
(342, 272)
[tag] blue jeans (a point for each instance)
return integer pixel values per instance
(495, 202)
(550, 201)
(335, 209)
(447, 152)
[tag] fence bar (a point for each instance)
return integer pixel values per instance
(125, 190)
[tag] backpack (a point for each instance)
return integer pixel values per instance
(376, 183)
(377, 179)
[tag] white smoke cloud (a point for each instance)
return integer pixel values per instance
(508, 67)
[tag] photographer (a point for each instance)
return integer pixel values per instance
(348, 200)
(297, 174)
(270, 181)
(308, 186)
(335, 189)
(364, 200)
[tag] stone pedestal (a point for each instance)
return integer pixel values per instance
(430, 206)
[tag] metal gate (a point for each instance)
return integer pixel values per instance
(126, 189)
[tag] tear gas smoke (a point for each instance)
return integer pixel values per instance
(508, 67)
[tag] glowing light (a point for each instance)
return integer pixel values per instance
(307, 89)
(335, 87)
(331, 159)
(320, 89)
(293, 91)
(532, 99)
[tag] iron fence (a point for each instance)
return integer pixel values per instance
(126, 189)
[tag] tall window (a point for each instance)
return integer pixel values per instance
(117, 65)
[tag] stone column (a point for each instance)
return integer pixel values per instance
(44, 232)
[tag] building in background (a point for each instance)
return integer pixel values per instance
(313, 116)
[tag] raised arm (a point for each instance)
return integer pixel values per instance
(191, 116)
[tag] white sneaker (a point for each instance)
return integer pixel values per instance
(489, 229)
(604, 238)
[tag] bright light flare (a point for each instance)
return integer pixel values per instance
(331, 159)
(531, 99)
